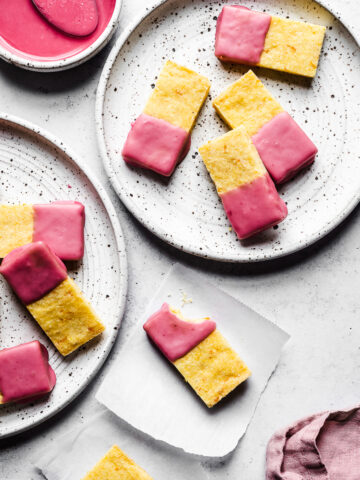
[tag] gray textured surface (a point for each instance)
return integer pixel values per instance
(314, 294)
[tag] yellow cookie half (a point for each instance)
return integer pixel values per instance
(232, 160)
(293, 47)
(116, 465)
(178, 96)
(16, 227)
(248, 103)
(66, 317)
(213, 368)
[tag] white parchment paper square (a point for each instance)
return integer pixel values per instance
(77, 452)
(145, 390)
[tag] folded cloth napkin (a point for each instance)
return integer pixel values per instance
(324, 446)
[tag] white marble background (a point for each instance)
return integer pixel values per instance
(314, 295)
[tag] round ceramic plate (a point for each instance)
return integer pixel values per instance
(185, 210)
(36, 168)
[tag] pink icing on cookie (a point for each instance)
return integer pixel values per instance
(60, 225)
(78, 18)
(284, 147)
(155, 144)
(25, 372)
(173, 336)
(240, 34)
(33, 270)
(254, 207)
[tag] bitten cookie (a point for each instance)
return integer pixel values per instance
(199, 352)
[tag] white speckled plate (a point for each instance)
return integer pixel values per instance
(35, 167)
(185, 211)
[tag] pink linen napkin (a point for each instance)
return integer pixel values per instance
(324, 446)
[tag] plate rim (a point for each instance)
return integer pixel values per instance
(137, 213)
(120, 249)
(69, 62)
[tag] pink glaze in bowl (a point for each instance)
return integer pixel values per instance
(30, 42)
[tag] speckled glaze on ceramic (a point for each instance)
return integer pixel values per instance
(36, 168)
(185, 211)
(68, 62)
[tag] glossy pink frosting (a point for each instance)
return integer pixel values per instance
(32, 271)
(60, 225)
(25, 32)
(284, 147)
(79, 18)
(155, 144)
(25, 372)
(240, 34)
(254, 207)
(173, 336)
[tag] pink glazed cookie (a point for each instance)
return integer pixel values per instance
(40, 280)
(25, 372)
(160, 137)
(247, 192)
(59, 224)
(257, 38)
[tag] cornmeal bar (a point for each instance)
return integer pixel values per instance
(40, 280)
(16, 227)
(25, 372)
(247, 192)
(282, 145)
(59, 224)
(199, 352)
(256, 38)
(115, 465)
(160, 136)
